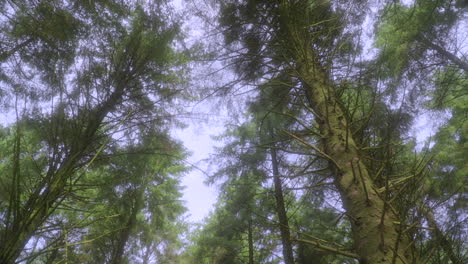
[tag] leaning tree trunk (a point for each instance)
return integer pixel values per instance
(51, 191)
(377, 238)
(446, 54)
(446, 244)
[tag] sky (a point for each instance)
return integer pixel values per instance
(197, 139)
(199, 197)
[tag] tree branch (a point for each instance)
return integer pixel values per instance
(329, 249)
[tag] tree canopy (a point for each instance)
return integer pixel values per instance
(322, 159)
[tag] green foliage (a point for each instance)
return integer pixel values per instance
(404, 34)
(139, 184)
(89, 172)
(450, 142)
(48, 23)
(416, 63)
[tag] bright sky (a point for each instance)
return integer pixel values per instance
(199, 197)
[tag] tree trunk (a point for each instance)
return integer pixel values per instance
(118, 254)
(444, 242)
(50, 192)
(377, 239)
(6, 54)
(446, 54)
(250, 237)
(35, 212)
(281, 211)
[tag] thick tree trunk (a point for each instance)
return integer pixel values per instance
(281, 211)
(377, 238)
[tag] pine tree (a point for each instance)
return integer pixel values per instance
(81, 75)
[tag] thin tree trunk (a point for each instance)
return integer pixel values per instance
(147, 255)
(281, 211)
(446, 54)
(250, 237)
(445, 243)
(118, 254)
(4, 55)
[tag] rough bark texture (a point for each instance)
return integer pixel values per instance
(376, 241)
(281, 211)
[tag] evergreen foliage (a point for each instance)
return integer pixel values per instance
(319, 162)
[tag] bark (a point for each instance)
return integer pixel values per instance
(48, 195)
(377, 239)
(446, 54)
(118, 254)
(444, 242)
(250, 237)
(6, 54)
(281, 211)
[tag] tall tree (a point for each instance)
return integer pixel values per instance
(93, 70)
(141, 191)
(420, 37)
(309, 41)
(281, 211)
(421, 43)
